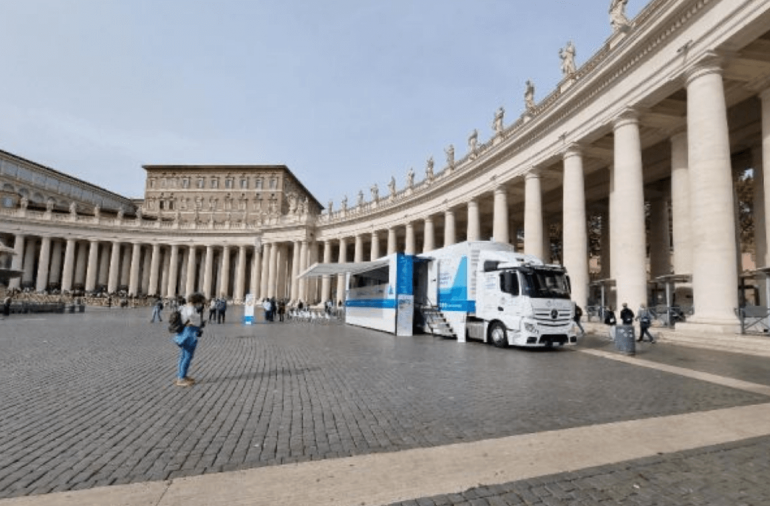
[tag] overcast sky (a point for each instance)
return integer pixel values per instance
(346, 93)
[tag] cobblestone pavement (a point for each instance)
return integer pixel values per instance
(88, 399)
(726, 475)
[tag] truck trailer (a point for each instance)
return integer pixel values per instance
(475, 289)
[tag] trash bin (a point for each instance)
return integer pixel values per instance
(625, 342)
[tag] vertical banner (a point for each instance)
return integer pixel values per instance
(404, 295)
(248, 310)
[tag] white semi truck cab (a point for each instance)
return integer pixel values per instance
(488, 291)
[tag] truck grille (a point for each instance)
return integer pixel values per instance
(546, 318)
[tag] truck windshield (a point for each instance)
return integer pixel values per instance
(544, 284)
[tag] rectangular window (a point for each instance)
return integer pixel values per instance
(201, 182)
(215, 183)
(186, 182)
(244, 184)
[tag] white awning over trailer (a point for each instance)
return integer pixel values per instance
(317, 270)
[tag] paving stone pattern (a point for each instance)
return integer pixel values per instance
(88, 399)
(734, 474)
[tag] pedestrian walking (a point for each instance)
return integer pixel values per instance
(266, 307)
(644, 324)
(578, 316)
(281, 309)
(187, 336)
(221, 309)
(156, 309)
(213, 310)
(626, 315)
(609, 319)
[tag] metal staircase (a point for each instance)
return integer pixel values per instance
(436, 322)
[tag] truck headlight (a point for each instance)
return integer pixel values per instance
(529, 327)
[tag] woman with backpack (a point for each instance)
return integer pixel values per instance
(187, 325)
(644, 324)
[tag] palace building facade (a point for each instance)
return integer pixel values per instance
(629, 162)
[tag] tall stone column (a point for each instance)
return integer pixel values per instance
(341, 278)
(295, 270)
(92, 268)
(375, 250)
(152, 289)
(136, 256)
(303, 256)
(256, 272)
(762, 159)
(326, 284)
(208, 271)
(104, 256)
(575, 228)
(680, 205)
(358, 250)
(533, 215)
(224, 279)
(165, 273)
(240, 279)
(392, 241)
(125, 266)
(173, 271)
(28, 276)
(500, 223)
(192, 266)
(144, 284)
(265, 271)
(273, 271)
(43, 263)
(409, 246)
(69, 265)
(17, 262)
(429, 234)
(631, 259)
(606, 272)
(474, 225)
(660, 249)
(182, 284)
(114, 279)
(715, 271)
(56, 262)
(449, 228)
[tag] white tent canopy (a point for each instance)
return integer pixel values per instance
(318, 270)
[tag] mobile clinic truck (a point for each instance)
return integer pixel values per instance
(475, 289)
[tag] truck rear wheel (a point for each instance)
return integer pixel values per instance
(498, 335)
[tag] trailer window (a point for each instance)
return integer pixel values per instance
(545, 284)
(509, 283)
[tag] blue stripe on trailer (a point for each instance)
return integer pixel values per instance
(376, 303)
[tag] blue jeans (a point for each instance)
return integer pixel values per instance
(186, 352)
(155, 314)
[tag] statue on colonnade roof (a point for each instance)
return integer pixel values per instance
(375, 193)
(450, 156)
(497, 124)
(410, 178)
(392, 186)
(529, 96)
(473, 141)
(618, 17)
(567, 55)
(429, 169)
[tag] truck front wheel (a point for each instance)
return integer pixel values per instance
(497, 334)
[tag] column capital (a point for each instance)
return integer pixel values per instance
(501, 189)
(573, 149)
(428, 219)
(711, 63)
(628, 116)
(533, 173)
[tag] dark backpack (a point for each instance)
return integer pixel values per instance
(175, 324)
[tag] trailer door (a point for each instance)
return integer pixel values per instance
(433, 283)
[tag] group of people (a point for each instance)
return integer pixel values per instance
(627, 317)
(218, 309)
(276, 308)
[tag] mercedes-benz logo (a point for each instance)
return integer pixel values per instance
(554, 314)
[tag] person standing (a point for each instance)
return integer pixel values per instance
(626, 315)
(187, 339)
(7, 306)
(281, 309)
(221, 310)
(213, 309)
(578, 316)
(266, 307)
(644, 324)
(609, 319)
(156, 309)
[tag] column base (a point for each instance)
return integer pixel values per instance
(709, 326)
